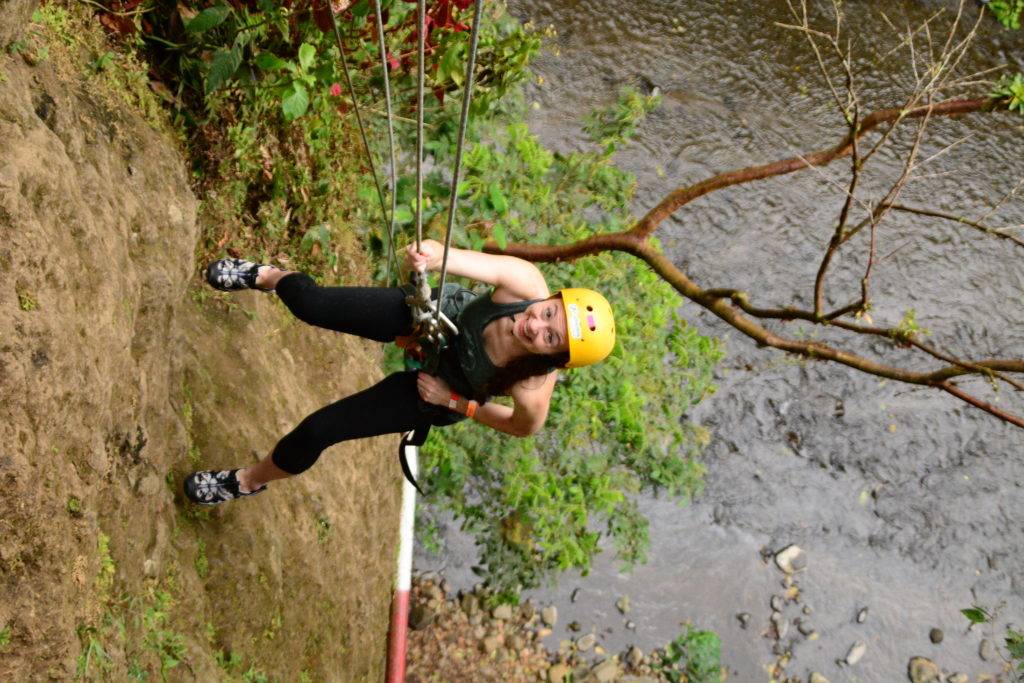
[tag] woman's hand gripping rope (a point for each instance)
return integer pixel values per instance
(429, 257)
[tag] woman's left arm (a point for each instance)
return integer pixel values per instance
(526, 416)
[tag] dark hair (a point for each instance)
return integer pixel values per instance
(524, 367)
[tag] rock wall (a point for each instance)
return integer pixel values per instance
(14, 15)
(119, 373)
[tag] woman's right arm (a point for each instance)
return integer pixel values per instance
(512, 276)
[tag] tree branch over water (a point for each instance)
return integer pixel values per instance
(925, 104)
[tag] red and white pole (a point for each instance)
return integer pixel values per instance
(397, 636)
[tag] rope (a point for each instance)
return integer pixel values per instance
(362, 130)
(454, 199)
(419, 302)
(421, 29)
(391, 140)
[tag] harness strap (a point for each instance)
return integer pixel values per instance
(417, 438)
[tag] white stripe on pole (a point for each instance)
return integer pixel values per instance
(397, 636)
(408, 522)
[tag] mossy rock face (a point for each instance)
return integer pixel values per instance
(14, 15)
(119, 372)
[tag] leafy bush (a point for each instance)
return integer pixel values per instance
(697, 654)
(1008, 12)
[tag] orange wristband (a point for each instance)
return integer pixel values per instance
(471, 409)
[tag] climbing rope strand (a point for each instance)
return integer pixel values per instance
(391, 139)
(453, 201)
(362, 128)
(421, 29)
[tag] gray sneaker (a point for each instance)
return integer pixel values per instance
(208, 487)
(232, 274)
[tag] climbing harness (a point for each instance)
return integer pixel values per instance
(432, 329)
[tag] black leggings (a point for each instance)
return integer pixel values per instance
(392, 405)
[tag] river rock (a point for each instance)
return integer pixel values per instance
(622, 604)
(543, 633)
(862, 615)
(781, 625)
(479, 632)
(958, 678)
(420, 617)
(776, 603)
(586, 642)
(855, 653)
(607, 671)
(549, 615)
(805, 628)
(936, 635)
(574, 626)
(807, 609)
(516, 642)
(923, 670)
(634, 657)
(502, 612)
(817, 678)
(630, 626)
(987, 650)
(791, 559)
(744, 618)
(470, 605)
(558, 673)
(490, 644)
(527, 610)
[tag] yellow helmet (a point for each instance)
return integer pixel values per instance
(591, 326)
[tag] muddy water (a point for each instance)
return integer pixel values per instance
(907, 502)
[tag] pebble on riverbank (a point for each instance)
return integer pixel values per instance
(466, 639)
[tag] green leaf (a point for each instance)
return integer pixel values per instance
(975, 614)
(497, 199)
(222, 67)
(208, 18)
(499, 235)
(403, 215)
(269, 61)
(296, 103)
(307, 53)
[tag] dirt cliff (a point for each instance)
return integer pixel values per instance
(119, 373)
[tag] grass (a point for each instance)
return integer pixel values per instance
(73, 40)
(323, 530)
(74, 506)
(5, 637)
(26, 301)
(202, 564)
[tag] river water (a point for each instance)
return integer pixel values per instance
(907, 502)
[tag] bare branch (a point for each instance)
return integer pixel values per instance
(958, 219)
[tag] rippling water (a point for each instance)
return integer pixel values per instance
(907, 501)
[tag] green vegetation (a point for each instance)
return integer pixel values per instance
(323, 530)
(5, 637)
(693, 657)
(202, 564)
(74, 506)
(26, 301)
(167, 645)
(1012, 639)
(1008, 12)
(1011, 87)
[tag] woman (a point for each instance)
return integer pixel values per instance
(510, 342)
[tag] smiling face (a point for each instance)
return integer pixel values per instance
(542, 328)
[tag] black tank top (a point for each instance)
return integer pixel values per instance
(464, 364)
